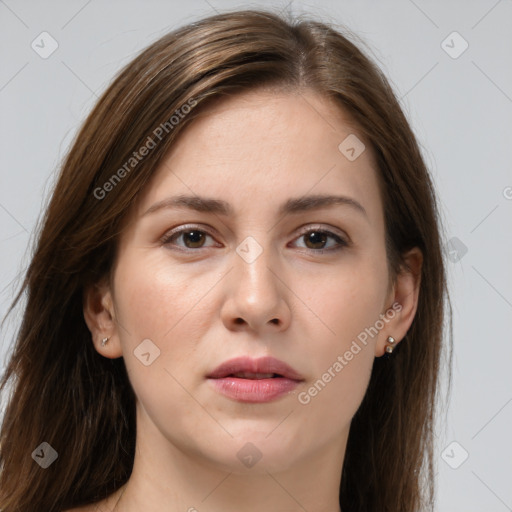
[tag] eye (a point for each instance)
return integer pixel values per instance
(317, 240)
(192, 238)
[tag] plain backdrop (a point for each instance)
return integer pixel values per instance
(450, 63)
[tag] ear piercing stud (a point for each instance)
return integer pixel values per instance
(390, 348)
(104, 341)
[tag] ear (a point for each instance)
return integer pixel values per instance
(402, 300)
(99, 316)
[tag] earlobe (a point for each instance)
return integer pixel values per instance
(100, 319)
(405, 294)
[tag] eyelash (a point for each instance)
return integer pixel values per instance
(167, 238)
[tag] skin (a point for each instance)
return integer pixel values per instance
(205, 304)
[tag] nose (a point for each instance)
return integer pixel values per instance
(257, 297)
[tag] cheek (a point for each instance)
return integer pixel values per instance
(165, 304)
(343, 302)
(154, 302)
(347, 305)
(154, 298)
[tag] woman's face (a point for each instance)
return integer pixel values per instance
(252, 263)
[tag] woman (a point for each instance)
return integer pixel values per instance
(241, 233)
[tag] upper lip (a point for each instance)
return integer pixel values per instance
(260, 365)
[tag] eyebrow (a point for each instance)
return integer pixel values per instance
(291, 206)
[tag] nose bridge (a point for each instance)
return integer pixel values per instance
(256, 293)
(253, 261)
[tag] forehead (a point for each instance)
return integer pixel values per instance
(305, 122)
(272, 144)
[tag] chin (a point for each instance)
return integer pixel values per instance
(253, 451)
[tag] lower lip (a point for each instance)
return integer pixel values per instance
(254, 390)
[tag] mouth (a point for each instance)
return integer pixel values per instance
(254, 380)
(249, 368)
(257, 376)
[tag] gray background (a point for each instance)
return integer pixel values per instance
(460, 109)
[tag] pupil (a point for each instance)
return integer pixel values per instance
(316, 238)
(194, 239)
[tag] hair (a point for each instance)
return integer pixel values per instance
(65, 393)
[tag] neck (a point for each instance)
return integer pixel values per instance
(166, 478)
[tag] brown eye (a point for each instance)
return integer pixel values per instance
(194, 237)
(187, 238)
(320, 240)
(315, 239)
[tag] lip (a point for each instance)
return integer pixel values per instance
(254, 390)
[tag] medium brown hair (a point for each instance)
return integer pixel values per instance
(82, 404)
